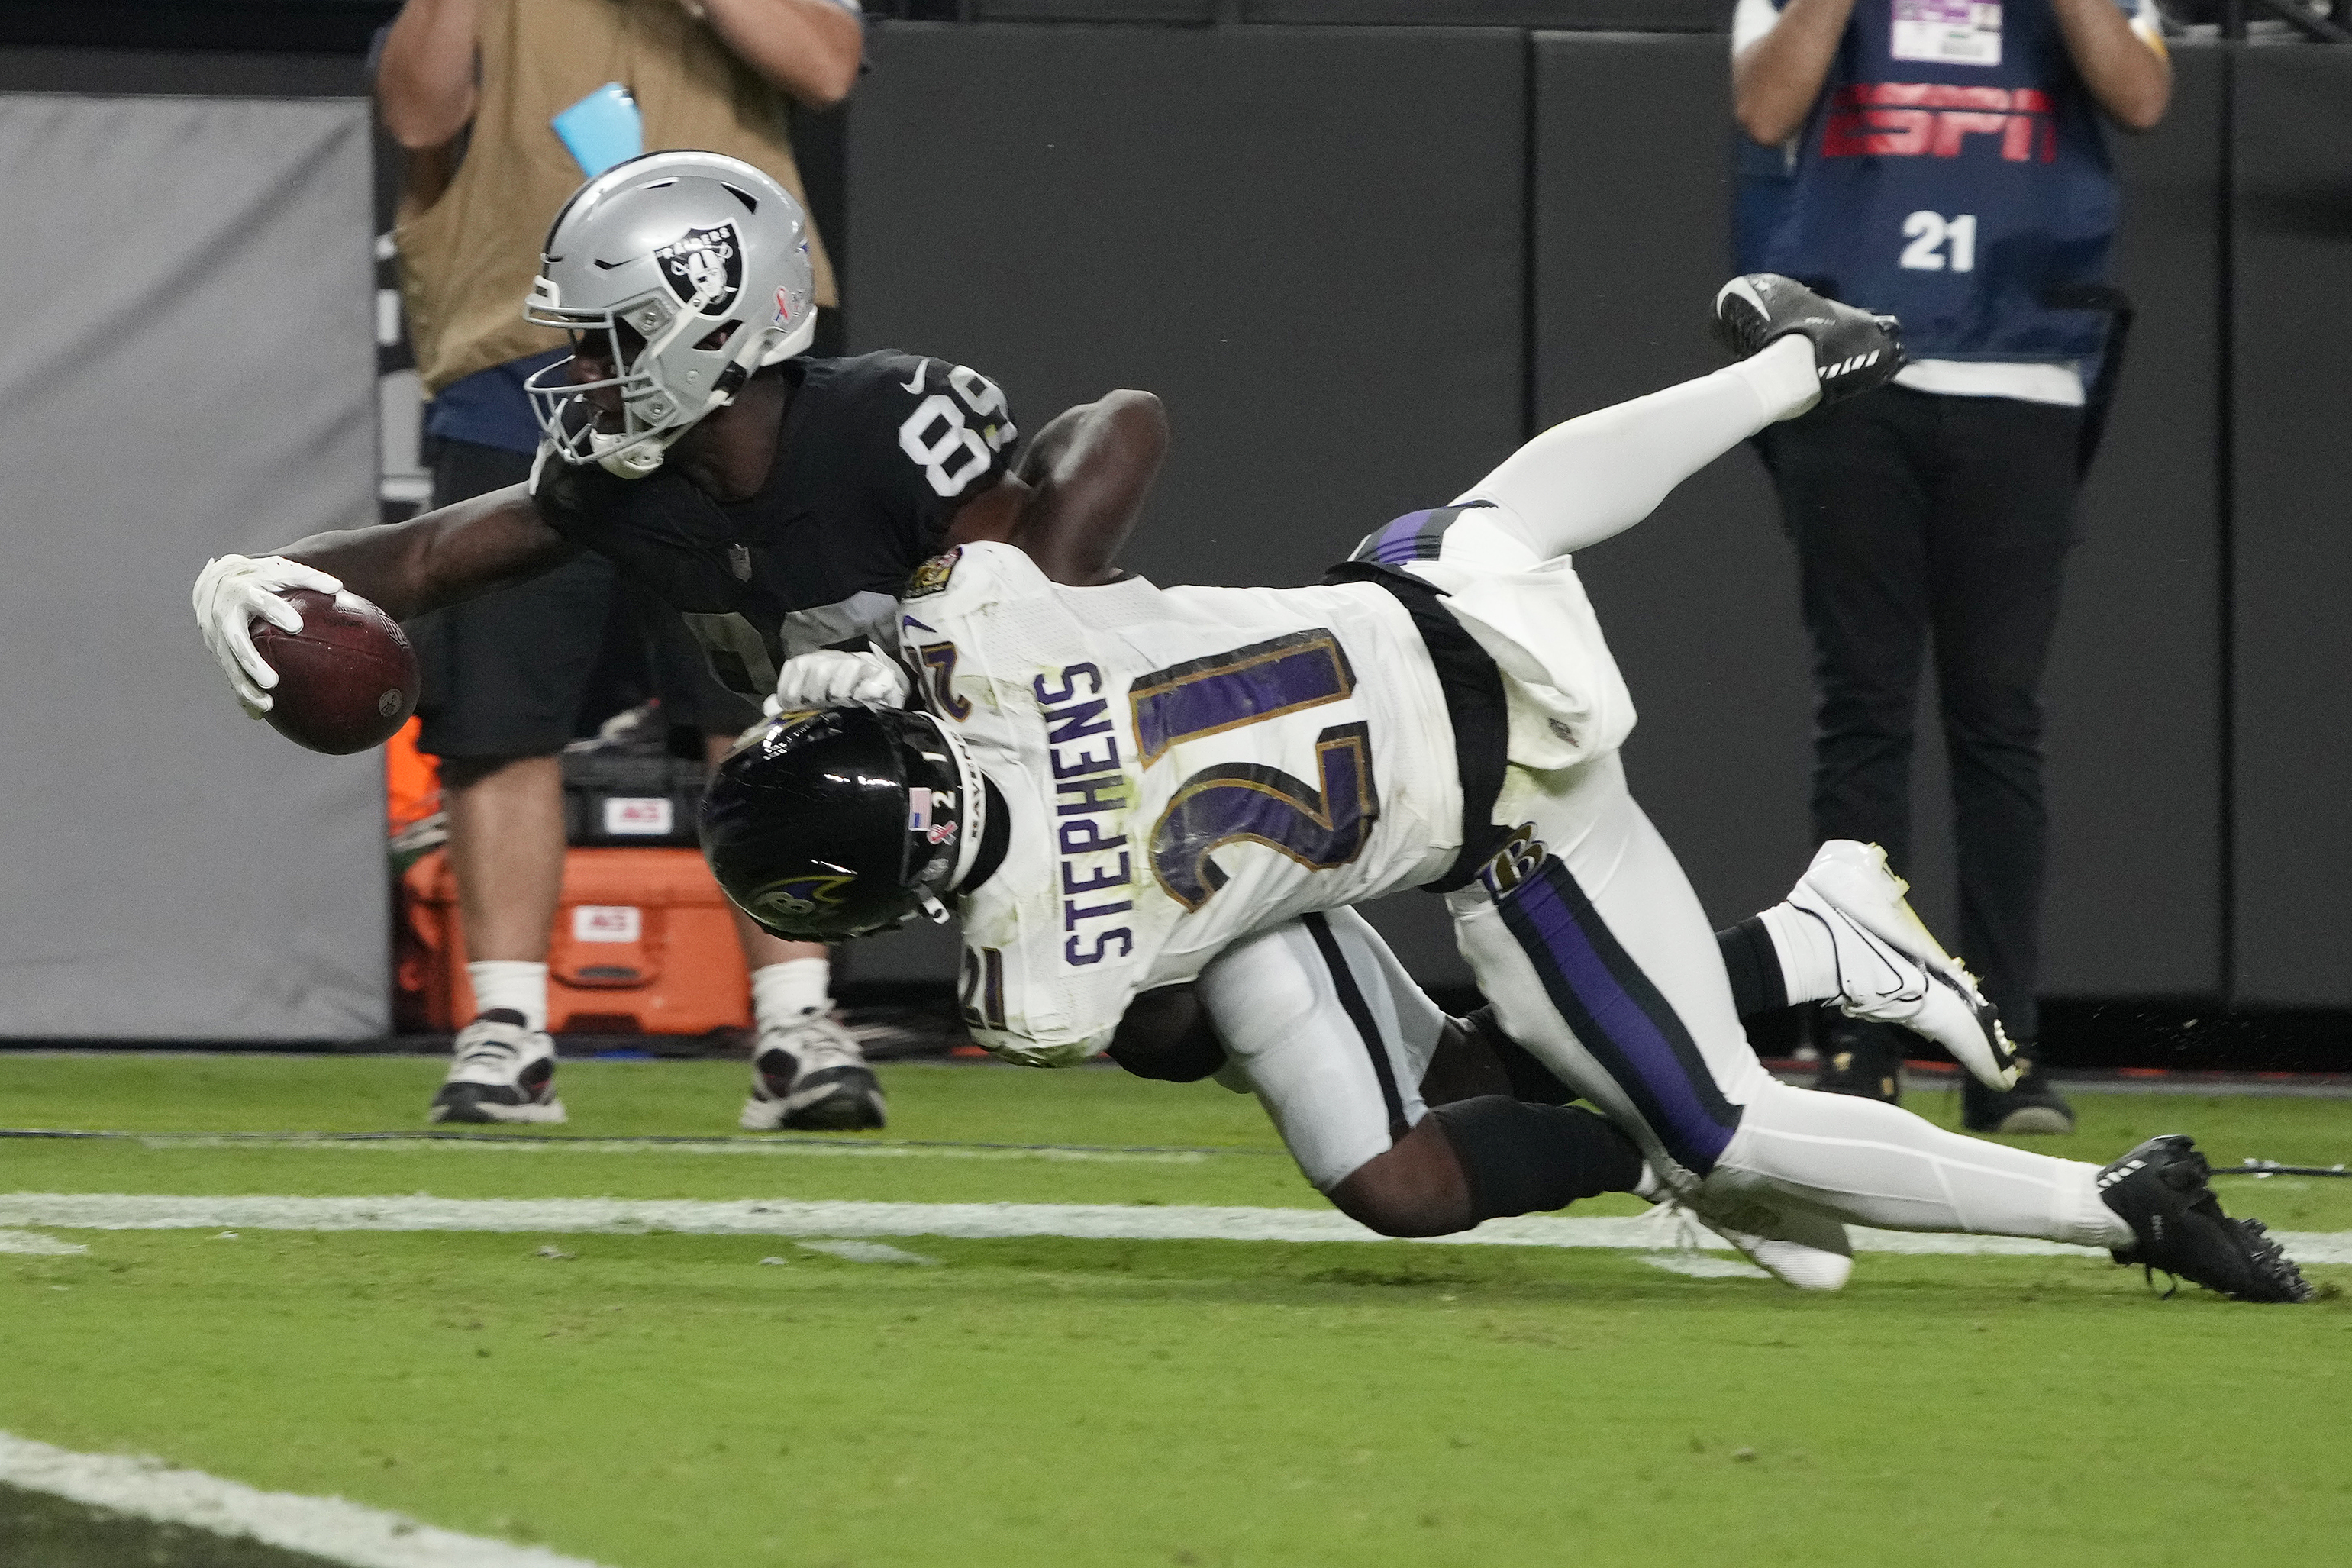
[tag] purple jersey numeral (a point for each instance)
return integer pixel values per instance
(1246, 802)
(940, 658)
(1227, 690)
(1236, 802)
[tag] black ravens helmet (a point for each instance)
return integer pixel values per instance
(837, 823)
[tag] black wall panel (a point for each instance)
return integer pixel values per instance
(2135, 685)
(1307, 242)
(1632, 202)
(1700, 601)
(2292, 239)
(1324, 285)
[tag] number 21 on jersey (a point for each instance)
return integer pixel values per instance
(1938, 241)
(1235, 802)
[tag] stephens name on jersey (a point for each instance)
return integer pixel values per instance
(1179, 767)
(876, 455)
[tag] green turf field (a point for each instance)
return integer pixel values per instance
(654, 1400)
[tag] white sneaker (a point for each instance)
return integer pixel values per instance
(1890, 969)
(811, 1074)
(503, 1072)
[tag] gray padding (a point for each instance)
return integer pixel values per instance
(190, 371)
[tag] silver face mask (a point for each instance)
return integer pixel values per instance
(695, 269)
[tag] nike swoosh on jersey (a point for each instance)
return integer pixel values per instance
(915, 382)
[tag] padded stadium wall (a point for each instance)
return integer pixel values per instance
(1360, 262)
(190, 371)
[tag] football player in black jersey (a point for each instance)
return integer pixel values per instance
(779, 502)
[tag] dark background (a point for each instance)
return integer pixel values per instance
(1361, 261)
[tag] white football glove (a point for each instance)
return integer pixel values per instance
(834, 678)
(230, 593)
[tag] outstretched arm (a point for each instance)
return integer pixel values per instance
(406, 568)
(1080, 489)
(444, 557)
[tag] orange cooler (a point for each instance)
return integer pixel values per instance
(644, 943)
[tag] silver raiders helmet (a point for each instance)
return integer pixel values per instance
(697, 266)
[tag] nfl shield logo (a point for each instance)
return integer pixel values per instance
(704, 268)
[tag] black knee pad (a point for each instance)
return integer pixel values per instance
(1530, 1159)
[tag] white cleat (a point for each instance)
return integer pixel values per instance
(810, 1075)
(1810, 1254)
(1801, 1249)
(502, 1072)
(1891, 969)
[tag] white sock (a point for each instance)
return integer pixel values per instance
(1863, 1162)
(1783, 376)
(1808, 955)
(511, 984)
(2114, 1232)
(1599, 474)
(784, 993)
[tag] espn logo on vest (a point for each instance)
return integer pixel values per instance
(1930, 120)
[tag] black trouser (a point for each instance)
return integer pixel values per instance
(1917, 516)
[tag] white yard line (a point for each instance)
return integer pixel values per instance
(1108, 1222)
(324, 1527)
(520, 1143)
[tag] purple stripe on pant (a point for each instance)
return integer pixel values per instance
(1619, 1016)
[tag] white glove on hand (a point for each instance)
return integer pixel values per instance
(833, 677)
(230, 593)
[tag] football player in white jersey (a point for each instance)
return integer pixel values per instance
(1118, 786)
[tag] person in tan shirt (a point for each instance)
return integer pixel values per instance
(470, 89)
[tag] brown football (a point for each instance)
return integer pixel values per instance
(346, 682)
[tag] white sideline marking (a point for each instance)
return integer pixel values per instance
(322, 1526)
(973, 1222)
(38, 1246)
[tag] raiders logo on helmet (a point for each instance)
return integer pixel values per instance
(704, 268)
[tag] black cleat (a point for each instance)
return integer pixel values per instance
(2159, 1190)
(2031, 1105)
(1854, 351)
(1863, 1059)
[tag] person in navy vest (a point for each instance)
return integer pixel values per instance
(1944, 162)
